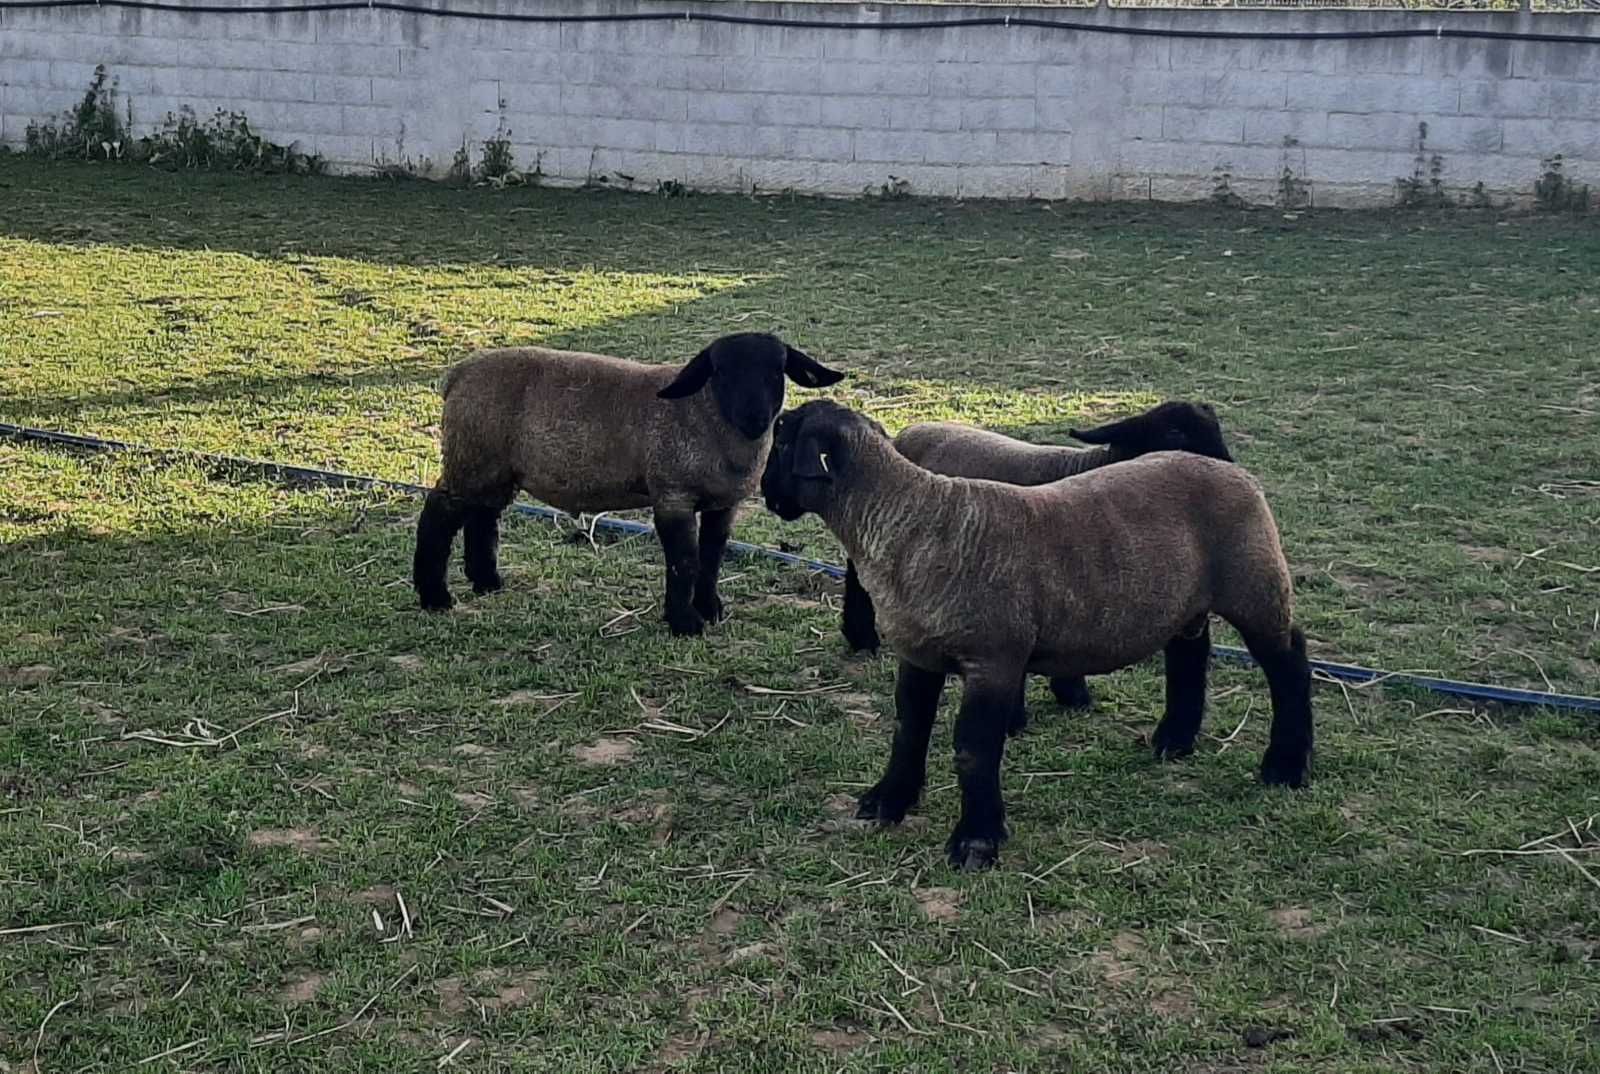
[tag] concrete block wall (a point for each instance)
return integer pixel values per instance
(1002, 111)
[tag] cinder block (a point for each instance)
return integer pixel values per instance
(1541, 60)
(1377, 130)
(279, 86)
(1393, 55)
(1465, 58)
(317, 119)
(1090, 82)
(624, 133)
(721, 107)
(815, 143)
(345, 148)
(970, 80)
(959, 147)
(1506, 98)
(508, 65)
(1064, 113)
(1573, 100)
(857, 112)
(1012, 181)
(694, 73)
(624, 102)
(1231, 89)
(342, 89)
(788, 109)
(1271, 128)
(787, 42)
(1374, 167)
(1374, 93)
(1014, 147)
(342, 59)
(902, 147)
(541, 99)
(1304, 57)
(379, 123)
(1202, 125)
(1541, 138)
(891, 79)
(1000, 113)
(1210, 54)
(769, 75)
(924, 113)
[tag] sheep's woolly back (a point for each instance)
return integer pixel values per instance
(587, 432)
(1087, 574)
(957, 450)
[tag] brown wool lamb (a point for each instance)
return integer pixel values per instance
(592, 433)
(1082, 576)
(958, 450)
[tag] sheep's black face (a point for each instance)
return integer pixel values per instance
(747, 382)
(1172, 426)
(810, 446)
(746, 372)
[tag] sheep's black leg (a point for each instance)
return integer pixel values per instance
(859, 627)
(1072, 692)
(677, 532)
(1188, 657)
(986, 712)
(1019, 715)
(1287, 761)
(715, 528)
(916, 702)
(480, 538)
(442, 515)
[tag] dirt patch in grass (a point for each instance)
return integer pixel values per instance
(605, 752)
(301, 989)
(305, 840)
(836, 1041)
(488, 990)
(1296, 922)
(939, 904)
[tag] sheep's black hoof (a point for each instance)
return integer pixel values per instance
(887, 802)
(710, 608)
(492, 584)
(1169, 745)
(1282, 767)
(1072, 693)
(435, 600)
(972, 854)
(685, 622)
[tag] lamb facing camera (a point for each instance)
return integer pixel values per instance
(590, 433)
(1082, 576)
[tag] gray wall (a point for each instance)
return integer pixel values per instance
(978, 112)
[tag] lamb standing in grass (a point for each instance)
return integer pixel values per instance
(587, 432)
(1081, 576)
(957, 450)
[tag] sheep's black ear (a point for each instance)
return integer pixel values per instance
(811, 460)
(807, 372)
(690, 379)
(1115, 432)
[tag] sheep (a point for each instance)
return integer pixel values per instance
(957, 450)
(591, 433)
(1085, 575)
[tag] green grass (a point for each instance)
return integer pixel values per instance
(1416, 392)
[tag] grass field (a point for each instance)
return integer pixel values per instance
(257, 813)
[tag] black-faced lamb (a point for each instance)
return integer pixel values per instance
(957, 450)
(591, 433)
(1081, 576)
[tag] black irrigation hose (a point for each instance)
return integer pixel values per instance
(1439, 31)
(304, 475)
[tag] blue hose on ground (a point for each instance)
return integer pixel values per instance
(286, 474)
